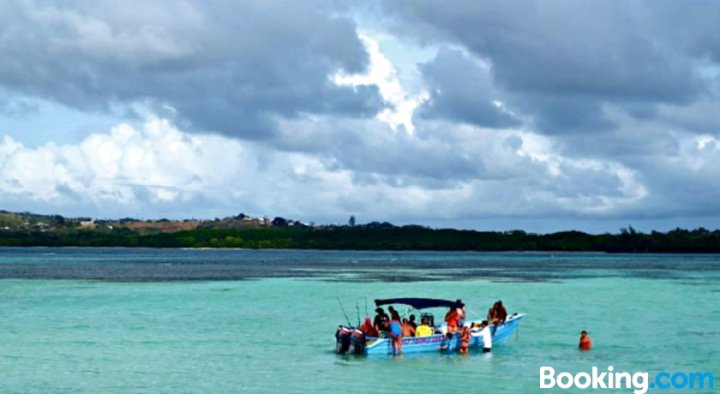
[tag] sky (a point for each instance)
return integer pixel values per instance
(492, 115)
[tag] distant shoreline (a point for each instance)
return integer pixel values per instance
(235, 249)
(362, 238)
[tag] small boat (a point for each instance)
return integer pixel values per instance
(351, 340)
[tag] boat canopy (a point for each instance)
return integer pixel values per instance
(420, 303)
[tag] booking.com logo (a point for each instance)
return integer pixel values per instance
(638, 381)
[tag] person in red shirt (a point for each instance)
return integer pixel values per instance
(585, 341)
(368, 328)
(451, 318)
(461, 313)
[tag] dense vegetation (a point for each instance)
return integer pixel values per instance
(385, 237)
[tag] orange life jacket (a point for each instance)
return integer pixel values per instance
(585, 343)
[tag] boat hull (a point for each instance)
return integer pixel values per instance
(433, 343)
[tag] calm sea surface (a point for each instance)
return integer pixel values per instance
(175, 321)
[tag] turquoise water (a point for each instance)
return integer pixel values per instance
(146, 331)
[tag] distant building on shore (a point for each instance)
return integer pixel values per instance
(88, 224)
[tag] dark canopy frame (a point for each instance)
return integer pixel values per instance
(420, 303)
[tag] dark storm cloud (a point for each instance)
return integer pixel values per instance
(563, 61)
(375, 154)
(462, 91)
(231, 67)
(701, 117)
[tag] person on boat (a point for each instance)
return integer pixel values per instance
(412, 321)
(486, 336)
(501, 314)
(491, 313)
(585, 341)
(460, 312)
(465, 340)
(497, 315)
(424, 329)
(395, 331)
(369, 329)
(381, 320)
(451, 318)
(407, 329)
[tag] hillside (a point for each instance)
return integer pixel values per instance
(242, 231)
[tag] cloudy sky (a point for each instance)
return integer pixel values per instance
(490, 115)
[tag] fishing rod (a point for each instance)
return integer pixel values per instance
(357, 309)
(344, 313)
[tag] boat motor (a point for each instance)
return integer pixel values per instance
(358, 341)
(342, 339)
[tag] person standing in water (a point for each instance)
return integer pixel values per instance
(486, 337)
(395, 331)
(465, 340)
(585, 341)
(451, 318)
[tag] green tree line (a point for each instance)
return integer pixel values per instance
(386, 238)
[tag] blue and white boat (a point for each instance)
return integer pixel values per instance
(352, 340)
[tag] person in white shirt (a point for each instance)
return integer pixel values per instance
(486, 336)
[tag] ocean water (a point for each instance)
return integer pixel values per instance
(187, 321)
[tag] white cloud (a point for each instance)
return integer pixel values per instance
(383, 74)
(158, 170)
(124, 166)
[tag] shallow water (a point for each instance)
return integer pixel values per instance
(141, 320)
